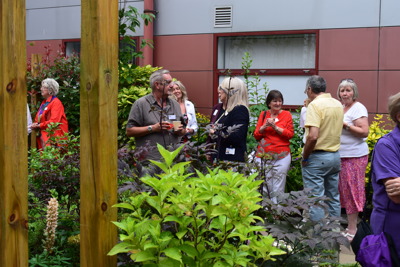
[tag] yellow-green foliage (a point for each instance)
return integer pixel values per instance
(202, 122)
(376, 131)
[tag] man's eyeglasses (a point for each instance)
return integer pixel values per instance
(165, 82)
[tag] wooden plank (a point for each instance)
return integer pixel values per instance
(13, 136)
(99, 88)
(36, 59)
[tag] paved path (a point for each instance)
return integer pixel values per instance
(346, 256)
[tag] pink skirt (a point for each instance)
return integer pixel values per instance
(352, 183)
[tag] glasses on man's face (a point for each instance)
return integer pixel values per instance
(166, 82)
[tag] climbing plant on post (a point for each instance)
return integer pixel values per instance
(13, 136)
(98, 111)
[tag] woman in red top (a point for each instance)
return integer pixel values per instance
(51, 111)
(273, 131)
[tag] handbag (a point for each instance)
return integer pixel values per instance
(363, 230)
(377, 251)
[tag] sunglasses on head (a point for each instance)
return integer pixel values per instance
(347, 80)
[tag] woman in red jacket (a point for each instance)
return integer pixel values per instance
(273, 131)
(51, 111)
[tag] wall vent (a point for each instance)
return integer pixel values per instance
(223, 17)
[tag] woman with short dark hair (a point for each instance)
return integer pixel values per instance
(273, 132)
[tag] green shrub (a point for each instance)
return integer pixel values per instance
(54, 172)
(201, 136)
(194, 219)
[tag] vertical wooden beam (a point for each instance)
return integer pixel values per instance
(99, 88)
(13, 139)
(36, 59)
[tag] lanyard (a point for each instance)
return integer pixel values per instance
(43, 106)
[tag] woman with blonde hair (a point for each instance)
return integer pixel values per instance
(233, 124)
(188, 112)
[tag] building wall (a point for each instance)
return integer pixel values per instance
(358, 39)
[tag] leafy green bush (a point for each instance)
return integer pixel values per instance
(201, 136)
(56, 168)
(194, 219)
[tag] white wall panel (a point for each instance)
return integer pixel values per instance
(60, 19)
(390, 13)
(193, 16)
(53, 23)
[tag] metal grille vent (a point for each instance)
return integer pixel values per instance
(223, 16)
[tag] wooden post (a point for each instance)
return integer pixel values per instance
(13, 136)
(99, 89)
(36, 59)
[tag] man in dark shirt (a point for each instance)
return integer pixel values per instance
(151, 116)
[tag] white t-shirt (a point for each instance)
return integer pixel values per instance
(351, 146)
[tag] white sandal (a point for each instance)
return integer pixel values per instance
(347, 235)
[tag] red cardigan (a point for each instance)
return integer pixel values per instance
(53, 112)
(275, 143)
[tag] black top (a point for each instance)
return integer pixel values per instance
(233, 147)
(216, 112)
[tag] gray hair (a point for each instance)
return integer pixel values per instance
(52, 85)
(352, 84)
(236, 92)
(317, 84)
(157, 76)
(394, 107)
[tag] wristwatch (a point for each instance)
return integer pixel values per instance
(150, 129)
(347, 127)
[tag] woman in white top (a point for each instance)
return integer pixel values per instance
(179, 94)
(353, 153)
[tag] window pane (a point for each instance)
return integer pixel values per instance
(291, 87)
(291, 51)
(72, 47)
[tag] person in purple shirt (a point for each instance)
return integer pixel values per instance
(385, 216)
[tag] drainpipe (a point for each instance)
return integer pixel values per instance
(148, 34)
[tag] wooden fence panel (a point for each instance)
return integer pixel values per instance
(13, 136)
(99, 88)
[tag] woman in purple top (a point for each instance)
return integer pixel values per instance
(386, 179)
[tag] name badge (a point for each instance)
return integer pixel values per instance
(172, 117)
(230, 151)
(215, 112)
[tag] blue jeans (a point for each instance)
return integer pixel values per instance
(321, 174)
